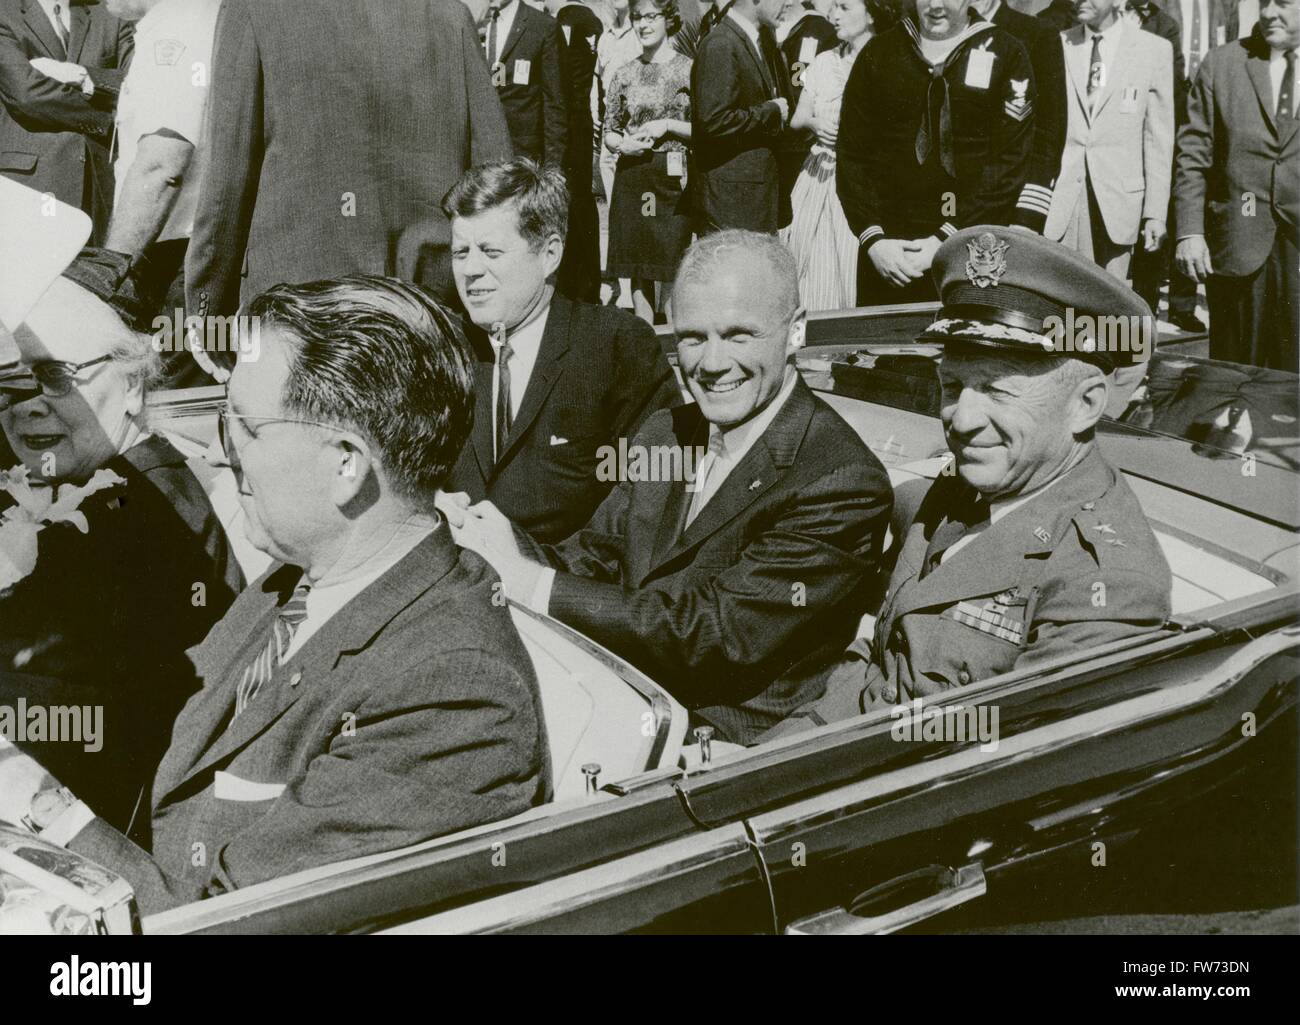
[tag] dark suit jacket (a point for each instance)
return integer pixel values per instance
(107, 616)
(1232, 147)
(736, 134)
(315, 169)
(538, 111)
(52, 137)
(599, 373)
(413, 712)
(735, 615)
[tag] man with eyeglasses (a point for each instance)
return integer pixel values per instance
(367, 693)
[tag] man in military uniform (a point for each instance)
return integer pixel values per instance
(1029, 545)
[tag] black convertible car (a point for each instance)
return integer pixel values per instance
(1156, 774)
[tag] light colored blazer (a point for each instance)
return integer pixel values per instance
(1125, 147)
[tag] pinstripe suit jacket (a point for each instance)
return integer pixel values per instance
(333, 126)
(736, 614)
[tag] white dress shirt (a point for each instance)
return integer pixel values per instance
(505, 20)
(1082, 55)
(525, 343)
(328, 596)
(737, 441)
(65, 15)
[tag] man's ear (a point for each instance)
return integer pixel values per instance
(552, 253)
(798, 336)
(134, 396)
(352, 469)
(1088, 402)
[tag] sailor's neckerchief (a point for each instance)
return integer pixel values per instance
(937, 119)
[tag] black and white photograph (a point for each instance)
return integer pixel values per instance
(650, 467)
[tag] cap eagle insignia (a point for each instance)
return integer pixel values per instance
(988, 260)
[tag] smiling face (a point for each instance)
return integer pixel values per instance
(649, 23)
(941, 19)
(1012, 422)
(499, 276)
(69, 437)
(1279, 22)
(735, 333)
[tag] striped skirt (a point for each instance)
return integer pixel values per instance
(824, 248)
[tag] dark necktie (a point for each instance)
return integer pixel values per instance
(58, 27)
(288, 618)
(504, 417)
(1194, 57)
(494, 14)
(771, 59)
(1096, 69)
(1286, 94)
(973, 516)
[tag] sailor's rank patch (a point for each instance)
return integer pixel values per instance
(1018, 106)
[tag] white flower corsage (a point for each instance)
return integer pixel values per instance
(37, 507)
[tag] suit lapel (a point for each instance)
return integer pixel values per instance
(1077, 69)
(349, 630)
(482, 430)
(1257, 69)
(43, 30)
(1124, 59)
(546, 371)
(762, 466)
(522, 14)
(77, 37)
(754, 55)
(689, 430)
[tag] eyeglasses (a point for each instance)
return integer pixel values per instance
(55, 378)
(225, 414)
(647, 16)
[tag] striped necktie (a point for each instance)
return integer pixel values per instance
(1096, 71)
(288, 618)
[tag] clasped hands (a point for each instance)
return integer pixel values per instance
(902, 261)
(485, 530)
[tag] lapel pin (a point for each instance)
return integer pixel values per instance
(295, 679)
(756, 485)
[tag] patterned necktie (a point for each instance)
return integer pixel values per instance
(58, 27)
(495, 14)
(708, 468)
(288, 618)
(504, 416)
(1194, 55)
(1096, 70)
(1287, 92)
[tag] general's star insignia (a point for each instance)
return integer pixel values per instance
(1116, 542)
(1105, 528)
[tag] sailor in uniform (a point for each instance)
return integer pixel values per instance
(1029, 544)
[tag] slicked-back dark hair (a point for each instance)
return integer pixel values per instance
(539, 195)
(380, 357)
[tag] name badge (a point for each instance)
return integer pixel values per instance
(676, 166)
(568, 33)
(979, 68)
(1128, 103)
(1220, 35)
(807, 50)
(522, 68)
